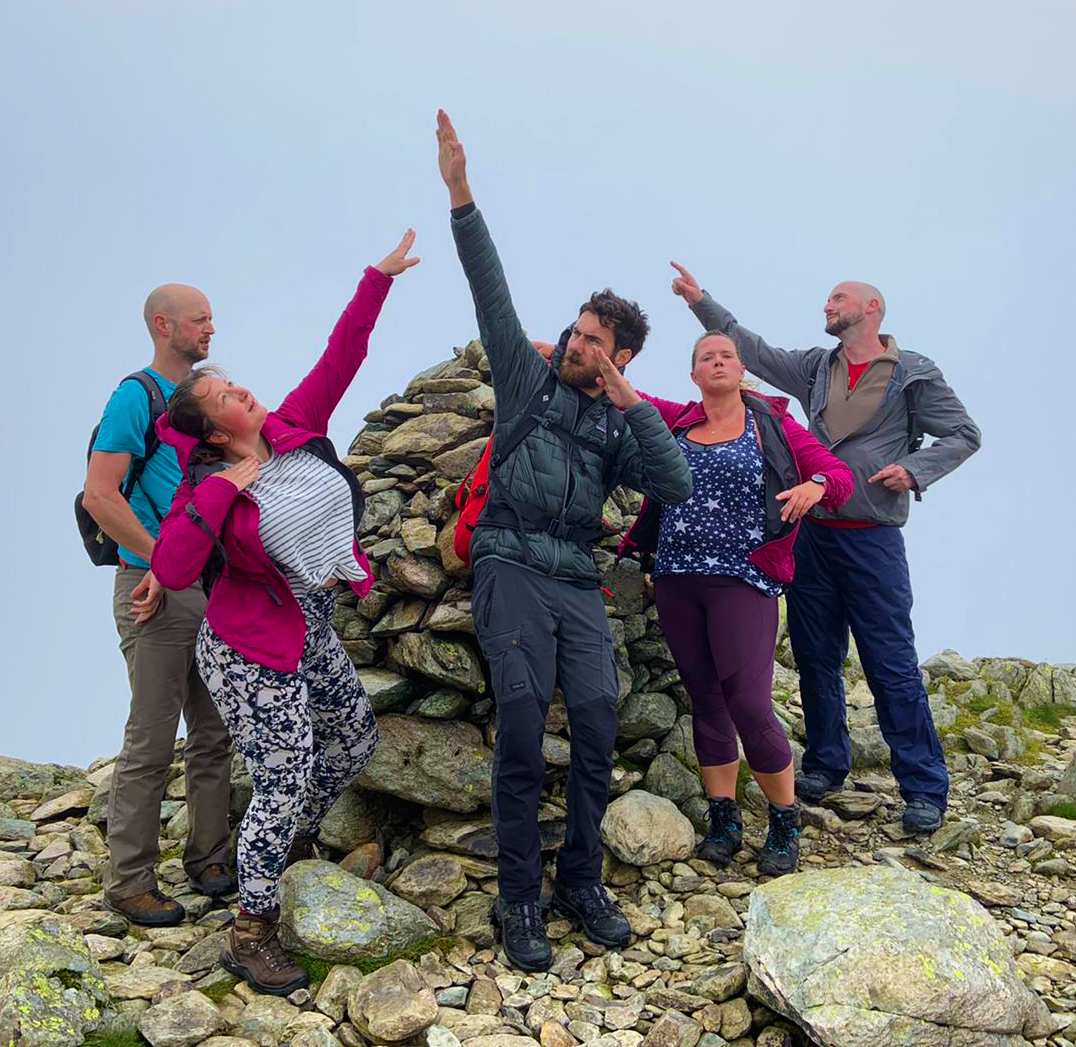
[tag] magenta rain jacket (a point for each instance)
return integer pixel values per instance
(252, 607)
(774, 557)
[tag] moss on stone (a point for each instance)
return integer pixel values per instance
(217, 992)
(319, 969)
(1064, 809)
(115, 1039)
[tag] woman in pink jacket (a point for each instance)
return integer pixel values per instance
(722, 558)
(267, 516)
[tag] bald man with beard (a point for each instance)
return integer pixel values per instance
(157, 635)
(870, 403)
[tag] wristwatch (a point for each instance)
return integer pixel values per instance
(819, 478)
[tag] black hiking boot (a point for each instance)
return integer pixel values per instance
(602, 919)
(812, 786)
(921, 817)
(781, 852)
(520, 927)
(725, 837)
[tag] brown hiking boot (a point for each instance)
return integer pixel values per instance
(149, 909)
(302, 848)
(214, 881)
(254, 953)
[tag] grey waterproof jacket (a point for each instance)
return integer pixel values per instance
(563, 481)
(805, 375)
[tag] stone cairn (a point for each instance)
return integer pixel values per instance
(967, 938)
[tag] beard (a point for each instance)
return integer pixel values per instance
(840, 324)
(193, 352)
(577, 374)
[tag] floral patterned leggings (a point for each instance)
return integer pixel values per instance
(303, 735)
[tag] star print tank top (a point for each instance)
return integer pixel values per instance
(724, 519)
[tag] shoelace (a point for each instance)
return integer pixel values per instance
(596, 902)
(783, 831)
(272, 951)
(159, 896)
(526, 918)
(723, 825)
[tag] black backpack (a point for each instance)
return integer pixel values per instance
(101, 549)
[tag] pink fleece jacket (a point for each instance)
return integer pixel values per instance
(774, 558)
(252, 607)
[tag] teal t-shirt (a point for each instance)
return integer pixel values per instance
(123, 431)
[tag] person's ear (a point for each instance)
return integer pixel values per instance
(218, 438)
(162, 325)
(621, 358)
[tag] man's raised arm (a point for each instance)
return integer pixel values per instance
(516, 365)
(789, 371)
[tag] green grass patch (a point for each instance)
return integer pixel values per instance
(1047, 718)
(743, 776)
(115, 1039)
(319, 969)
(1064, 809)
(628, 765)
(956, 688)
(1033, 754)
(171, 852)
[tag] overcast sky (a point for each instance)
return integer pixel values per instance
(267, 151)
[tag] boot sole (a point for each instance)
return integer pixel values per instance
(719, 860)
(141, 921)
(773, 870)
(241, 972)
(565, 910)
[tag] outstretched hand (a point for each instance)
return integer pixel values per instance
(616, 386)
(686, 285)
(396, 261)
(452, 161)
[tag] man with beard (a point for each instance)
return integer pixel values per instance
(870, 403)
(565, 435)
(157, 633)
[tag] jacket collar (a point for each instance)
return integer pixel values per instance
(694, 412)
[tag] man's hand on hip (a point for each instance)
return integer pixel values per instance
(895, 477)
(146, 598)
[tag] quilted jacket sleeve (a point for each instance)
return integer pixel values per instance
(651, 461)
(517, 367)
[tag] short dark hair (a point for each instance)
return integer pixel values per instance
(624, 318)
(713, 334)
(186, 413)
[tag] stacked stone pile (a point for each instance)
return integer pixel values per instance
(967, 938)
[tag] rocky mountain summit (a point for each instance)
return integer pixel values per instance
(966, 938)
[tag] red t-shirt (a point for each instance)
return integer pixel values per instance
(855, 372)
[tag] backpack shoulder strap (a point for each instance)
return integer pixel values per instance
(532, 416)
(915, 434)
(151, 441)
(614, 433)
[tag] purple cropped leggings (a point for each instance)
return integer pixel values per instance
(722, 633)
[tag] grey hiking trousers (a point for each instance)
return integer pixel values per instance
(539, 632)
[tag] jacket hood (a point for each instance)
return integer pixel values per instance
(184, 445)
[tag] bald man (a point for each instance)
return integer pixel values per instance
(870, 403)
(157, 634)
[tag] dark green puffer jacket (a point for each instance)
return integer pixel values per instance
(564, 482)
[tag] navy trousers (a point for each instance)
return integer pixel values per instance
(536, 633)
(858, 580)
